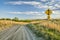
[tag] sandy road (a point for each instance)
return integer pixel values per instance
(17, 33)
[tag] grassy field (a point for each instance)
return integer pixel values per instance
(50, 30)
(5, 24)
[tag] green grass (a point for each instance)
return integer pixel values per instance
(46, 33)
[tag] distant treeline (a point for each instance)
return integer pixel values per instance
(17, 19)
(27, 20)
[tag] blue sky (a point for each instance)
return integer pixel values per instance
(29, 9)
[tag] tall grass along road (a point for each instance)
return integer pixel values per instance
(18, 33)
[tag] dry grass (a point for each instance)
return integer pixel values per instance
(4, 24)
(51, 25)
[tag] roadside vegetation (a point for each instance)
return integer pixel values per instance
(49, 30)
(5, 24)
(45, 31)
(57, 21)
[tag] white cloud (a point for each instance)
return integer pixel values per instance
(23, 2)
(28, 13)
(55, 16)
(44, 0)
(52, 3)
(56, 12)
(57, 5)
(35, 15)
(41, 15)
(34, 3)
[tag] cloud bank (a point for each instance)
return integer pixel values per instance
(43, 4)
(53, 4)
